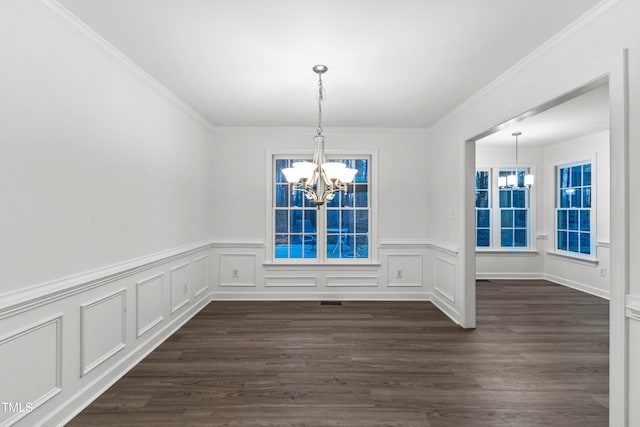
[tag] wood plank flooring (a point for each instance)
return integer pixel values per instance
(539, 357)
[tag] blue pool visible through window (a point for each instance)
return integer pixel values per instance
(573, 209)
(483, 209)
(514, 213)
(340, 229)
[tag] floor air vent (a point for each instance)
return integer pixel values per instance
(330, 302)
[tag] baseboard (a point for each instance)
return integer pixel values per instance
(85, 396)
(509, 276)
(320, 296)
(578, 286)
(447, 308)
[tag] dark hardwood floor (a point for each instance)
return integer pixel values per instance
(539, 357)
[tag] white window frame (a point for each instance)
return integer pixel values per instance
(489, 208)
(321, 259)
(494, 203)
(592, 256)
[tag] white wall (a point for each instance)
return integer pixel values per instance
(105, 186)
(540, 263)
(241, 153)
(589, 49)
(495, 263)
(578, 274)
(241, 158)
(98, 167)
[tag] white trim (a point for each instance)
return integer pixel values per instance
(141, 330)
(578, 286)
(446, 307)
(290, 281)
(502, 252)
(404, 244)
(351, 281)
(73, 405)
(237, 244)
(63, 16)
(187, 298)
(598, 11)
(203, 258)
(57, 320)
(336, 295)
(603, 244)
(368, 153)
(509, 276)
(444, 247)
(85, 367)
(633, 307)
(48, 292)
(574, 258)
(326, 131)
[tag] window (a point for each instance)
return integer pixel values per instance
(514, 212)
(573, 209)
(483, 209)
(507, 224)
(339, 230)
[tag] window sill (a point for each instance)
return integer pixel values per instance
(574, 258)
(319, 265)
(489, 252)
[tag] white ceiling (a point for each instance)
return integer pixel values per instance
(392, 63)
(583, 115)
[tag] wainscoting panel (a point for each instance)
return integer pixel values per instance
(352, 281)
(31, 361)
(237, 269)
(290, 281)
(200, 275)
(404, 270)
(113, 317)
(444, 278)
(149, 303)
(102, 330)
(179, 288)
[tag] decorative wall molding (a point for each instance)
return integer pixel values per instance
(179, 286)
(603, 244)
(237, 269)
(352, 281)
(46, 293)
(576, 260)
(11, 377)
(443, 304)
(95, 333)
(90, 390)
(414, 244)
(444, 272)
(201, 271)
(290, 281)
(600, 10)
(63, 16)
(578, 286)
(240, 244)
(509, 276)
(404, 270)
(633, 307)
(144, 290)
(333, 295)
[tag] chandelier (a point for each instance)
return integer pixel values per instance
(318, 179)
(511, 181)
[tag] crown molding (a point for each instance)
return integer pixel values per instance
(600, 10)
(326, 130)
(63, 16)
